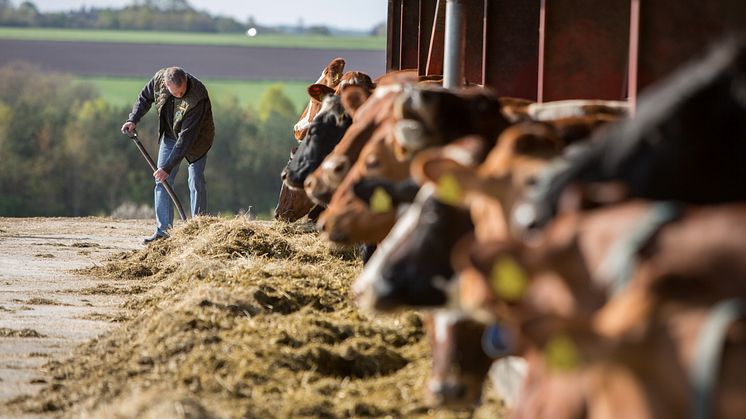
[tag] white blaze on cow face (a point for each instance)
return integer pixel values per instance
(370, 283)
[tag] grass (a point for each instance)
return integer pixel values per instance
(124, 90)
(186, 38)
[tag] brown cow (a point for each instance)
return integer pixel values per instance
(377, 109)
(643, 371)
(342, 221)
(459, 365)
(330, 77)
(323, 182)
(693, 256)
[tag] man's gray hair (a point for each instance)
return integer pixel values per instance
(175, 76)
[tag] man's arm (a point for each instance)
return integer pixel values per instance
(190, 127)
(144, 102)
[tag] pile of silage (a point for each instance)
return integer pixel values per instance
(244, 319)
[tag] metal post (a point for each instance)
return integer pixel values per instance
(634, 54)
(454, 47)
(542, 41)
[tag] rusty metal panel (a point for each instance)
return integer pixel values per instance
(409, 39)
(586, 46)
(674, 31)
(425, 30)
(511, 42)
(474, 39)
(393, 34)
(437, 41)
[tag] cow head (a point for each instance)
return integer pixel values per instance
(348, 219)
(431, 116)
(459, 363)
(368, 118)
(330, 78)
(323, 134)
(411, 266)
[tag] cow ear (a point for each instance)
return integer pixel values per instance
(336, 67)
(319, 91)
(410, 134)
(353, 98)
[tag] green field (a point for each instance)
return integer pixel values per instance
(152, 37)
(124, 90)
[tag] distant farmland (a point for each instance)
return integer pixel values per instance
(185, 38)
(124, 90)
(119, 63)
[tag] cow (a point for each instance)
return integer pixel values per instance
(430, 116)
(649, 370)
(292, 204)
(584, 258)
(368, 220)
(415, 271)
(325, 132)
(330, 78)
(459, 364)
(322, 134)
(320, 184)
(521, 149)
(420, 109)
(342, 221)
(684, 143)
(323, 182)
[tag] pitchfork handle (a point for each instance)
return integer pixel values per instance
(165, 183)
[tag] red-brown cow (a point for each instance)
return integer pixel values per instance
(330, 77)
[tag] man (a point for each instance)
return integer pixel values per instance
(185, 130)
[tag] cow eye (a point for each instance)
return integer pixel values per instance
(372, 162)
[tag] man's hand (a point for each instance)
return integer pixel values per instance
(160, 175)
(128, 127)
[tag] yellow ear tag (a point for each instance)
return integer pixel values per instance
(508, 279)
(380, 201)
(561, 353)
(449, 190)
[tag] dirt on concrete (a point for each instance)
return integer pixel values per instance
(45, 309)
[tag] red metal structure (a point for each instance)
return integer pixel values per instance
(561, 49)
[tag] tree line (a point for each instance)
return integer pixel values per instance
(63, 155)
(163, 15)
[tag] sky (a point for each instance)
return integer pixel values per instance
(345, 14)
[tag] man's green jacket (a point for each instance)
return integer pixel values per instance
(187, 119)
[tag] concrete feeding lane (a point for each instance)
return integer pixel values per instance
(46, 310)
(206, 61)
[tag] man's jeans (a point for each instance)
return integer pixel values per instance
(164, 208)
